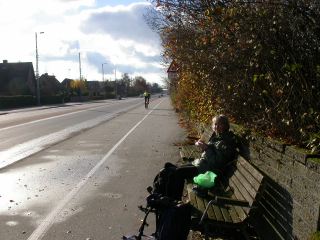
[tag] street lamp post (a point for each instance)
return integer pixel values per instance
(115, 81)
(37, 68)
(103, 71)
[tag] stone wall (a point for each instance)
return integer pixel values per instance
(299, 175)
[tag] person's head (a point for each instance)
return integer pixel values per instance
(220, 124)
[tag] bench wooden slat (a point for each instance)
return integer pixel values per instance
(258, 176)
(250, 175)
(218, 213)
(213, 213)
(192, 198)
(226, 214)
(189, 152)
(239, 190)
(246, 189)
(200, 203)
(245, 186)
(238, 195)
(206, 134)
(242, 212)
(234, 214)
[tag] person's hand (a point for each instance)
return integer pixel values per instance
(201, 145)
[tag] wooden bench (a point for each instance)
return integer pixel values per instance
(234, 198)
(254, 199)
(231, 209)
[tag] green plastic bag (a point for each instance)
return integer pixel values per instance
(205, 180)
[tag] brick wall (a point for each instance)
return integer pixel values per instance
(299, 176)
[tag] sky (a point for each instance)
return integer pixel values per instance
(110, 36)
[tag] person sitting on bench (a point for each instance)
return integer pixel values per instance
(220, 150)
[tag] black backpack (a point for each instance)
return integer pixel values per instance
(173, 218)
(163, 181)
(174, 223)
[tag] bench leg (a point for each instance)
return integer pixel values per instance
(206, 210)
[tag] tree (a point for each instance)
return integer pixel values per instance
(155, 88)
(79, 86)
(264, 55)
(140, 84)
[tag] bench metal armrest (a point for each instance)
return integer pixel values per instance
(223, 201)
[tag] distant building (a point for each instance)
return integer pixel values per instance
(17, 79)
(66, 83)
(49, 85)
(95, 88)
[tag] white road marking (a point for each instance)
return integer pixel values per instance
(48, 221)
(44, 119)
(26, 149)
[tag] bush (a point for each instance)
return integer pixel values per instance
(51, 99)
(315, 236)
(97, 97)
(258, 62)
(17, 101)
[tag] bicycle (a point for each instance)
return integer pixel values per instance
(146, 102)
(173, 218)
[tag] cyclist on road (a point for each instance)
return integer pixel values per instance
(146, 95)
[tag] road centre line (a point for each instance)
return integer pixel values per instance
(23, 150)
(39, 232)
(44, 119)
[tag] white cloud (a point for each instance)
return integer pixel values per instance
(116, 35)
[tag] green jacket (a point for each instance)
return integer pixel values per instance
(222, 149)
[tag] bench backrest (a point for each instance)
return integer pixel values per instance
(246, 182)
(206, 133)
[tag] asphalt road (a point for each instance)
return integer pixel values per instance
(28, 131)
(88, 182)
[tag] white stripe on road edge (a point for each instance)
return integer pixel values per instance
(23, 150)
(48, 118)
(48, 221)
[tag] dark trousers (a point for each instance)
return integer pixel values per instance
(177, 181)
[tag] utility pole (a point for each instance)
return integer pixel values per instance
(115, 81)
(37, 68)
(102, 71)
(80, 65)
